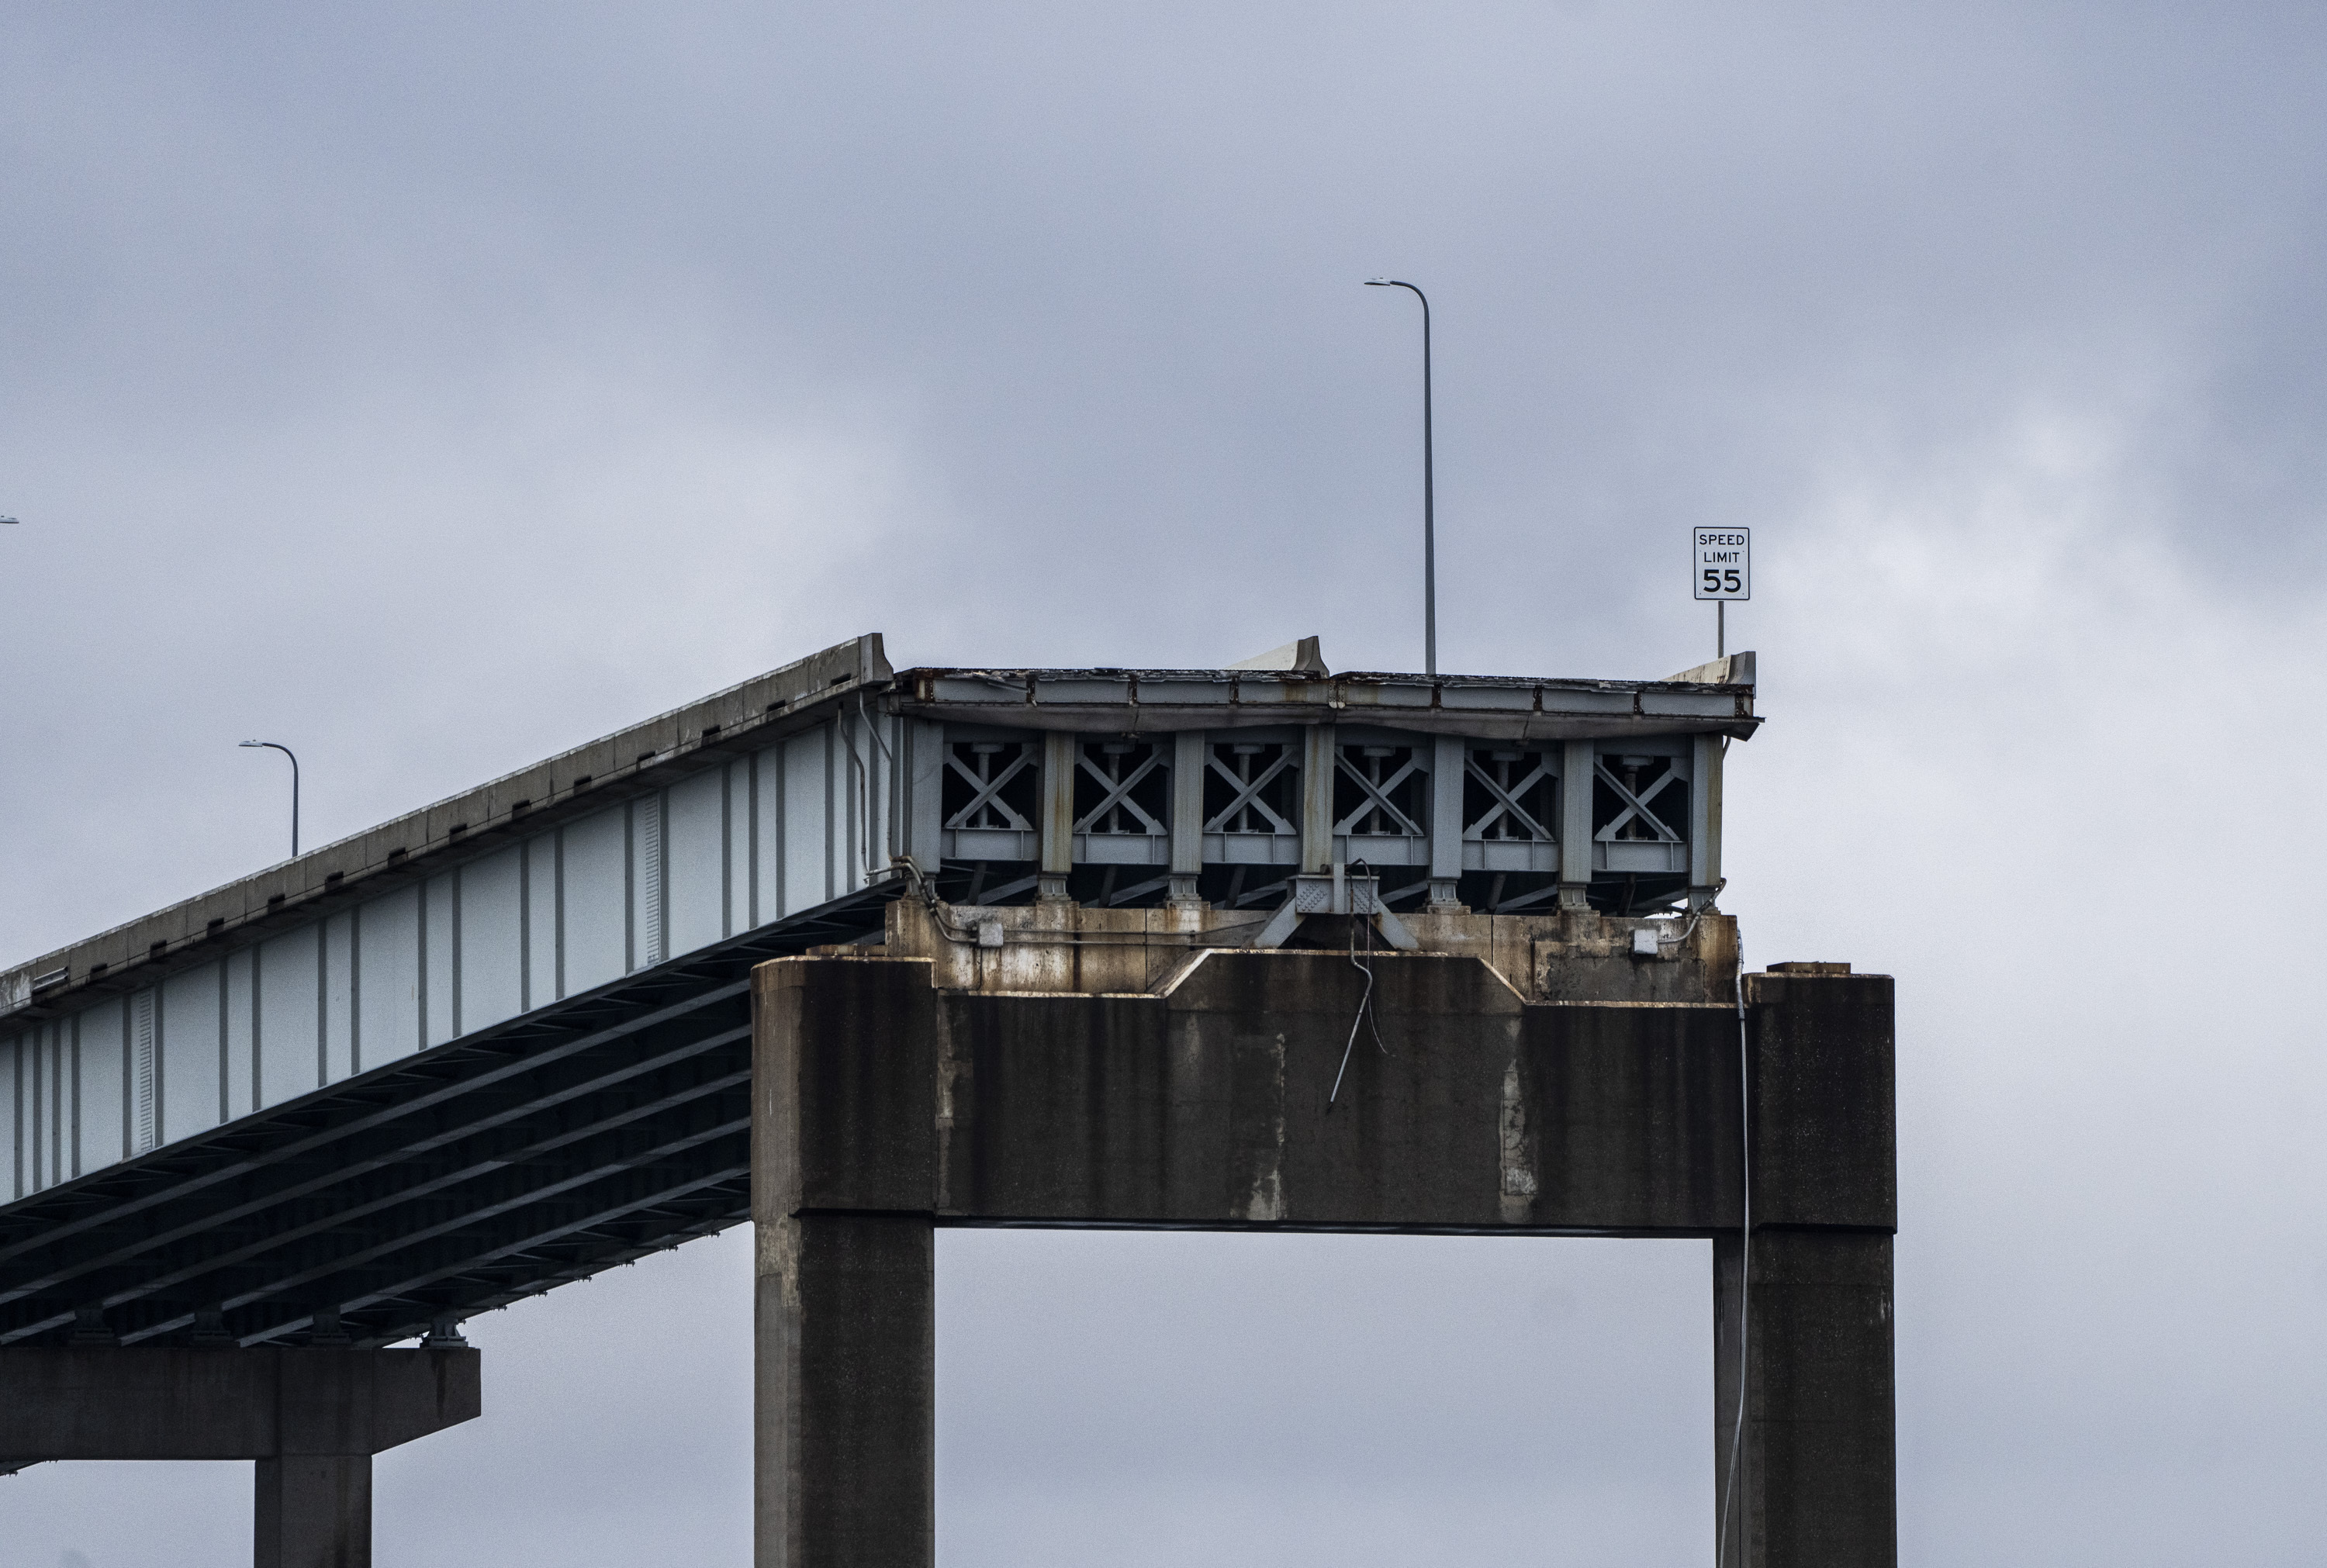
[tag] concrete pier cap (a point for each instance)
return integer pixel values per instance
(311, 1417)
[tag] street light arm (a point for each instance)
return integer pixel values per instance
(278, 746)
(1401, 283)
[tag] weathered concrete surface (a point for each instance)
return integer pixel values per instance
(844, 1391)
(1208, 1103)
(313, 1510)
(1816, 1483)
(887, 1106)
(1817, 1477)
(1824, 1096)
(176, 1402)
(1079, 948)
(312, 1416)
(843, 1129)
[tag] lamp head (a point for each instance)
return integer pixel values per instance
(250, 743)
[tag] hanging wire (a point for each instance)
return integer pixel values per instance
(1365, 1001)
(1695, 915)
(1744, 1263)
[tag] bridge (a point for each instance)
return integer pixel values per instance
(509, 1041)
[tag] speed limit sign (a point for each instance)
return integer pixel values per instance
(1723, 562)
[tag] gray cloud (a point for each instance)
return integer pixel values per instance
(433, 389)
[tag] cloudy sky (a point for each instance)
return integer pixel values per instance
(435, 387)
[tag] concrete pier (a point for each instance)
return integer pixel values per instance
(311, 1418)
(929, 1081)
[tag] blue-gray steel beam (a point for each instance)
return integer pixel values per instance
(1705, 820)
(1317, 755)
(1578, 760)
(1447, 780)
(274, 1237)
(1189, 760)
(1055, 827)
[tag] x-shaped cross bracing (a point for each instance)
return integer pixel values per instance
(1507, 804)
(1377, 796)
(1119, 792)
(986, 793)
(1638, 805)
(1248, 794)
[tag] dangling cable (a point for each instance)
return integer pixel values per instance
(1367, 969)
(1744, 1261)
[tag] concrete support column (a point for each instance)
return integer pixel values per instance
(1815, 1484)
(313, 1511)
(846, 1393)
(1815, 1474)
(843, 1120)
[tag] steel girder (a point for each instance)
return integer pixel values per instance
(577, 1137)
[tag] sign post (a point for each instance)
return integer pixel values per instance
(1722, 567)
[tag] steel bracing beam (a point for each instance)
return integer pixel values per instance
(158, 1174)
(736, 1204)
(340, 1270)
(405, 1159)
(344, 1248)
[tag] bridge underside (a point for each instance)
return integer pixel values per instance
(564, 1141)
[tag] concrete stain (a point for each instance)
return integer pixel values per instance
(1266, 1203)
(1518, 1168)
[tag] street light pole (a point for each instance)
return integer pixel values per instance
(1429, 489)
(295, 789)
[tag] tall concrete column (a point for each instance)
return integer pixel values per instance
(846, 1393)
(313, 1511)
(1815, 1484)
(1815, 1479)
(842, 1189)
